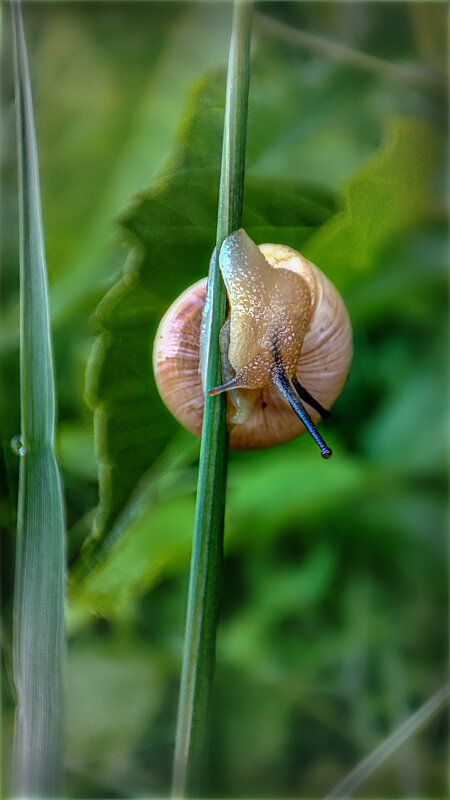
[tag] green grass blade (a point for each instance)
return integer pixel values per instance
(205, 576)
(39, 637)
(388, 746)
(295, 37)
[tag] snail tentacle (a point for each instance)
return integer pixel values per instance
(281, 381)
(284, 386)
(234, 383)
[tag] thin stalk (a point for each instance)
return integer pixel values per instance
(414, 76)
(390, 745)
(207, 553)
(39, 635)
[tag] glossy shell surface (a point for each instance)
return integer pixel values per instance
(322, 368)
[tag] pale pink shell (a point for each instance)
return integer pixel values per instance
(323, 367)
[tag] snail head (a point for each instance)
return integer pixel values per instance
(262, 341)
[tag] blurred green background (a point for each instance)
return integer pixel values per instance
(334, 614)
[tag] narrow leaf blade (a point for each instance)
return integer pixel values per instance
(39, 637)
(207, 551)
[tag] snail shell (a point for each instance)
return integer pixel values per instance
(284, 311)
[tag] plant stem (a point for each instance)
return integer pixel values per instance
(39, 634)
(207, 554)
(414, 76)
(390, 744)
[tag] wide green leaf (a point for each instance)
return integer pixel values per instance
(381, 202)
(158, 540)
(171, 230)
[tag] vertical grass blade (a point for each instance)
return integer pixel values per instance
(39, 637)
(206, 563)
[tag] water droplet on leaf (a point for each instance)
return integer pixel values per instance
(17, 446)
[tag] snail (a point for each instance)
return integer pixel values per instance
(286, 346)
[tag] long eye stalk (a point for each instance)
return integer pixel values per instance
(283, 384)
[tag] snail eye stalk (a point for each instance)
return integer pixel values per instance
(234, 383)
(283, 384)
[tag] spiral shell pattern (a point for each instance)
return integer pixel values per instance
(322, 369)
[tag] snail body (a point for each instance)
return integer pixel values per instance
(286, 346)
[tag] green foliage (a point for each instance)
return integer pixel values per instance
(173, 224)
(39, 634)
(100, 676)
(170, 228)
(380, 202)
(160, 538)
(334, 612)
